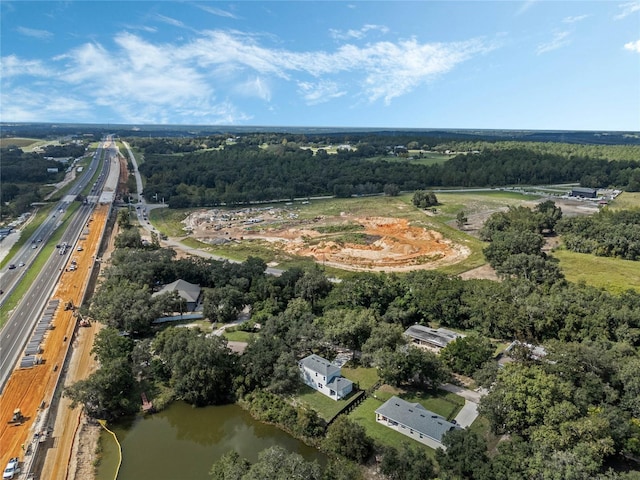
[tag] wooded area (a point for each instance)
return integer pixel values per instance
(572, 414)
(248, 170)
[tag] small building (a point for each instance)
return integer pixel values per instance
(584, 192)
(534, 352)
(414, 421)
(187, 291)
(324, 376)
(434, 339)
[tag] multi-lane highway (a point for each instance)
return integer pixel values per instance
(21, 323)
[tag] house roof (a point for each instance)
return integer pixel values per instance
(189, 291)
(320, 365)
(583, 189)
(416, 417)
(439, 337)
(339, 383)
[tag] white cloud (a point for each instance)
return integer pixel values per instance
(217, 11)
(319, 92)
(256, 87)
(170, 21)
(357, 34)
(628, 8)
(559, 40)
(633, 46)
(575, 19)
(145, 81)
(13, 66)
(32, 32)
(35, 105)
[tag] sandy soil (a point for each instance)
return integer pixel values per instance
(378, 244)
(32, 388)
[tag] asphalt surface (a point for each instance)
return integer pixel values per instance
(16, 332)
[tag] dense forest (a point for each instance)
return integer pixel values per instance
(570, 415)
(186, 175)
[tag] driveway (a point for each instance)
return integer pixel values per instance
(469, 411)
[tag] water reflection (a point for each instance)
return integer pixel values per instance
(183, 442)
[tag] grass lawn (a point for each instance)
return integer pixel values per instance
(613, 274)
(238, 336)
(481, 426)
(625, 201)
(365, 416)
(326, 407)
(364, 377)
(438, 401)
(443, 403)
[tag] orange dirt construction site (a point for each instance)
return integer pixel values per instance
(33, 438)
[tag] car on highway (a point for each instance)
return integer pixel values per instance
(34, 246)
(12, 266)
(12, 469)
(21, 264)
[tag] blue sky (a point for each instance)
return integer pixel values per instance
(549, 65)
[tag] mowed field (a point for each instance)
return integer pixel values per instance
(26, 144)
(364, 234)
(612, 274)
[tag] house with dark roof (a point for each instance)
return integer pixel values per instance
(414, 421)
(187, 291)
(324, 376)
(430, 338)
(584, 192)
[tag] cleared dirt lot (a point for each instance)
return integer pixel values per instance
(350, 242)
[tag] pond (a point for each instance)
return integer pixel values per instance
(183, 442)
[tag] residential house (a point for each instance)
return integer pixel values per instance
(414, 421)
(434, 339)
(324, 376)
(189, 292)
(534, 352)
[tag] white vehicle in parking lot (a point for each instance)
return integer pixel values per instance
(12, 469)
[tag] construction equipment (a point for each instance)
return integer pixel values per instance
(17, 417)
(69, 306)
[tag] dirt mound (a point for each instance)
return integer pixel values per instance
(346, 242)
(386, 244)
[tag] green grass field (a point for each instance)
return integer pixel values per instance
(238, 336)
(625, 201)
(325, 406)
(613, 274)
(364, 377)
(17, 141)
(169, 222)
(440, 402)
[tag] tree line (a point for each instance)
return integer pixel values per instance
(568, 414)
(244, 172)
(608, 233)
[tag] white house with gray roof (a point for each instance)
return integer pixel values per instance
(414, 421)
(324, 376)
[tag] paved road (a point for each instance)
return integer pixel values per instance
(16, 332)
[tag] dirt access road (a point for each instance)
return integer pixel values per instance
(348, 242)
(32, 389)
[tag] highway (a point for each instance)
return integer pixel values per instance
(16, 332)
